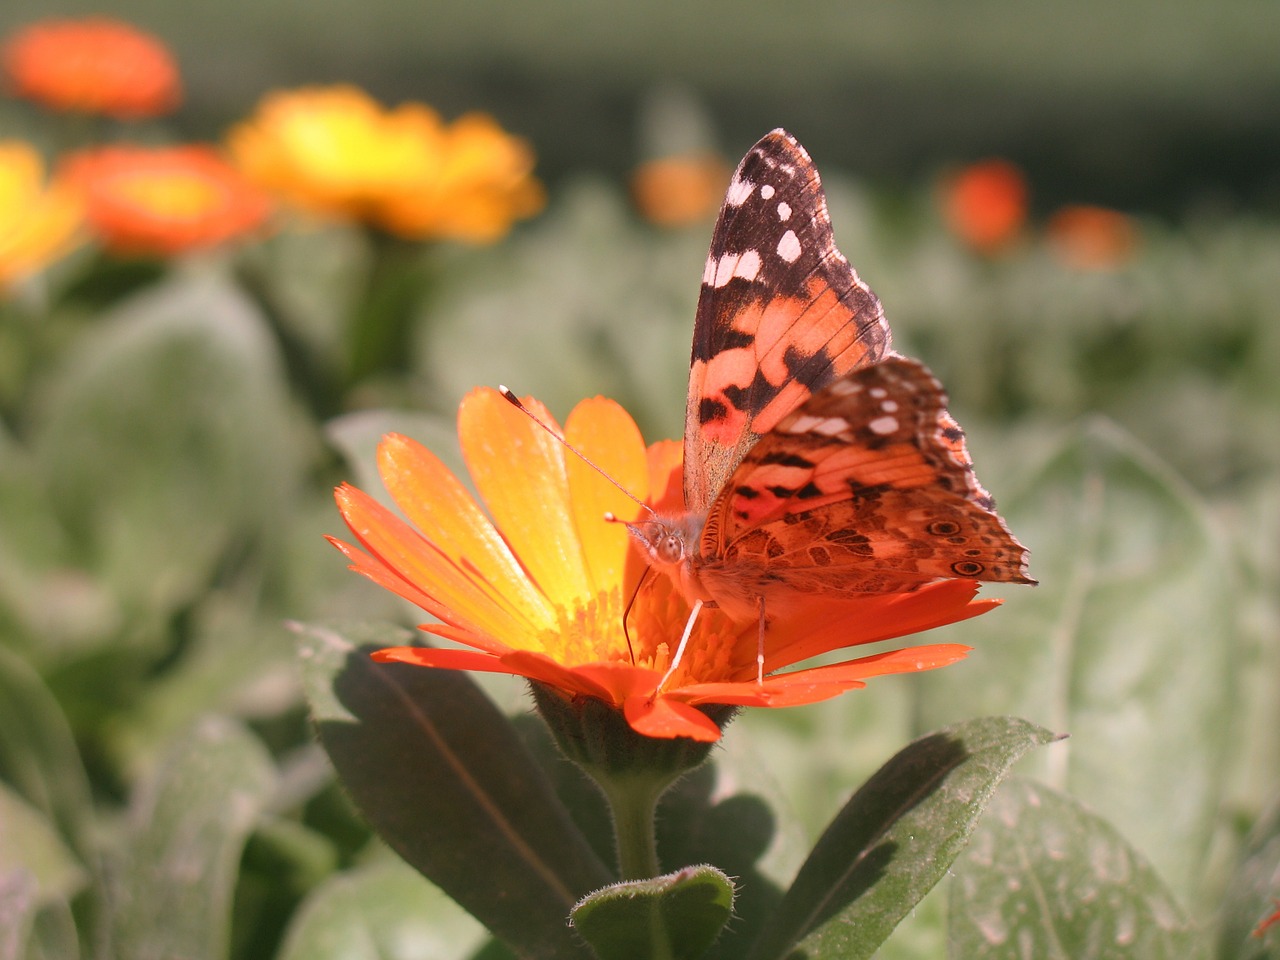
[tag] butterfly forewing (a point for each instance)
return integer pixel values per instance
(867, 487)
(781, 314)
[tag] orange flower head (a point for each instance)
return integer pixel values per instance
(538, 586)
(679, 191)
(336, 152)
(165, 200)
(39, 222)
(985, 204)
(96, 65)
(1091, 238)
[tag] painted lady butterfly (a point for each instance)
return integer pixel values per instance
(816, 460)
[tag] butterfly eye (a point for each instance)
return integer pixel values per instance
(670, 549)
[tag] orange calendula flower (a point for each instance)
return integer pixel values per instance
(39, 222)
(335, 151)
(165, 200)
(96, 65)
(1091, 238)
(985, 204)
(538, 585)
(678, 191)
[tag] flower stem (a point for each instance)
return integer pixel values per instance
(634, 806)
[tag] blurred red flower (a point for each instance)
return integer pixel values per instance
(164, 200)
(1091, 238)
(95, 65)
(985, 204)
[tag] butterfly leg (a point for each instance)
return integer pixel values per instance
(684, 642)
(760, 645)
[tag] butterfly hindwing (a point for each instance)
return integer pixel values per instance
(866, 487)
(781, 314)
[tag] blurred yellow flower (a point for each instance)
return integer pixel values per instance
(335, 151)
(39, 222)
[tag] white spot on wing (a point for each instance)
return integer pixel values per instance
(883, 426)
(739, 190)
(744, 266)
(748, 265)
(789, 247)
(825, 426)
(767, 191)
(784, 211)
(889, 406)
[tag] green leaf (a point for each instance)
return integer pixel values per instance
(677, 916)
(38, 756)
(382, 912)
(190, 821)
(1045, 878)
(445, 780)
(1253, 893)
(28, 842)
(1128, 645)
(165, 441)
(894, 840)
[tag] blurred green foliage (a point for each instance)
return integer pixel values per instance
(170, 436)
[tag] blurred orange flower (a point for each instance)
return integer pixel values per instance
(985, 204)
(38, 222)
(335, 151)
(1091, 238)
(678, 191)
(95, 65)
(540, 589)
(164, 200)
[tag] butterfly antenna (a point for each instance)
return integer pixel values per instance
(631, 602)
(512, 399)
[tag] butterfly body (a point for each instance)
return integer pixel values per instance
(817, 462)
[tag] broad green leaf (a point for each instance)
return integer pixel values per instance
(386, 911)
(165, 441)
(1253, 895)
(676, 916)
(894, 840)
(1045, 878)
(38, 756)
(445, 780)
(585, 301)
(1128, 645)
(28, 842)
(188, 828)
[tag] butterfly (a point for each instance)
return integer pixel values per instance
(817, 461)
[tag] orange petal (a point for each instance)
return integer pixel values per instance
(832, 625)
(455, 594)
(520, 473)
(607, 434)
(665, 718)
(428, 493)
(666, 461)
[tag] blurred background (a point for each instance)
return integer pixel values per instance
(1146, 106)
(1071, 212)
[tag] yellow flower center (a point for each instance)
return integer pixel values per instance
(589, 633)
